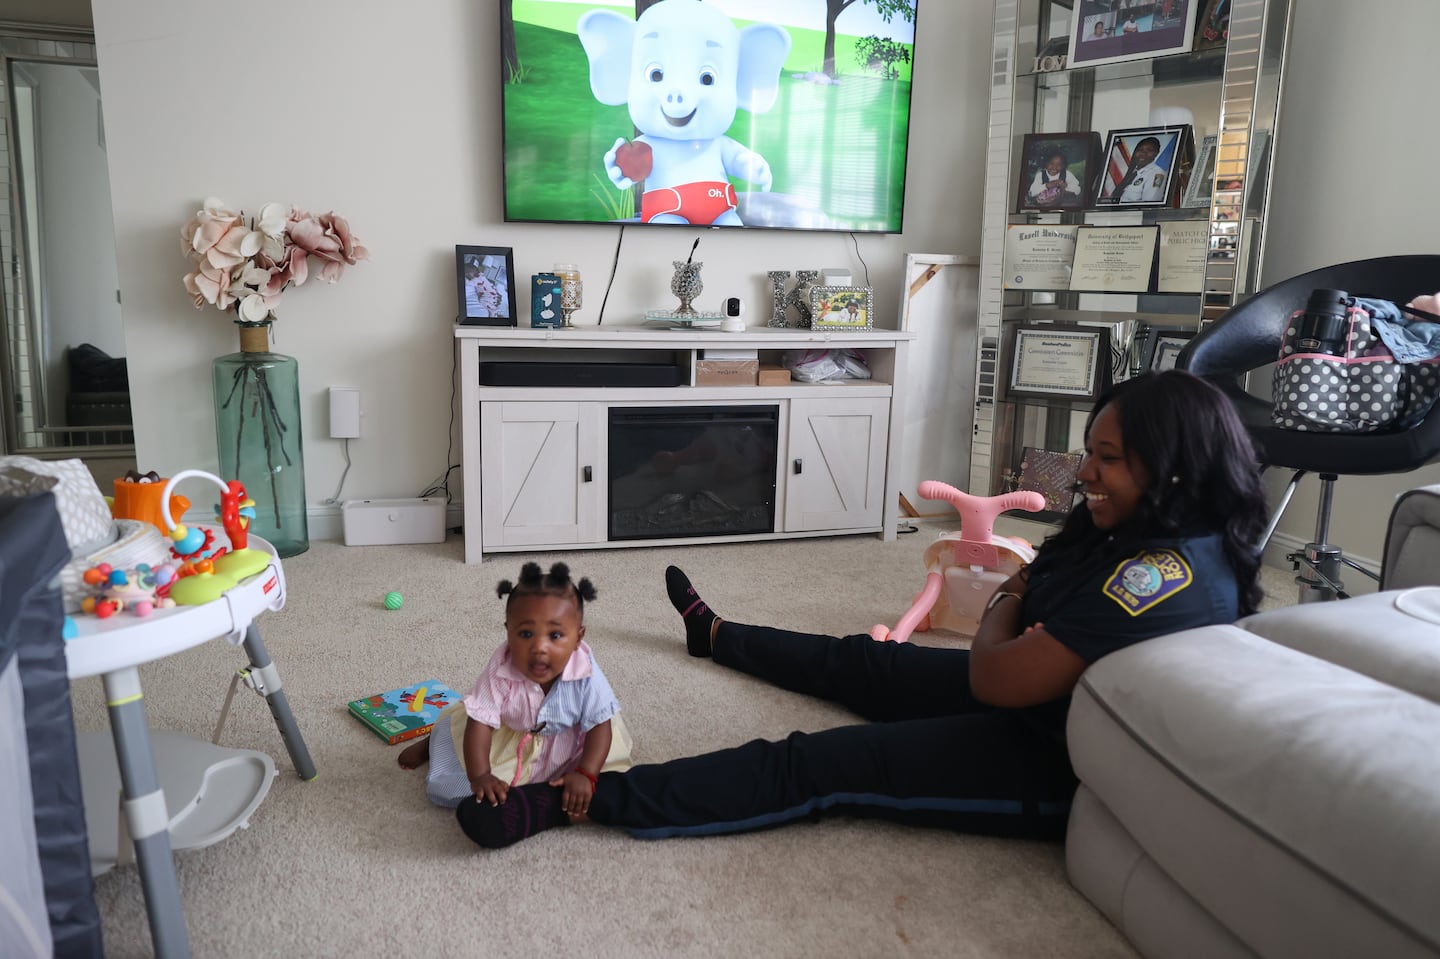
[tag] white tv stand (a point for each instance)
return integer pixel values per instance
(535, 457)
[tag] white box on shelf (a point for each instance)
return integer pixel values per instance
(391, 522)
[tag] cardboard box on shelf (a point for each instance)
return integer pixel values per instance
(726, 372)
(773, 374)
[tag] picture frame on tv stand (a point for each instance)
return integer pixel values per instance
(485, 286)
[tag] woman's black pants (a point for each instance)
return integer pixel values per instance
(931, 754)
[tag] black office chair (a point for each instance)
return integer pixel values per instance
(1247, 337)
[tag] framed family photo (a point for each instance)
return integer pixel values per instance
(1109, 31)
(1141, 164)
(485, 286)
(1057, 171)
(840, 307)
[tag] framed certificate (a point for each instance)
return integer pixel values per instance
(1059, 362)
(1182, 256)
(1113, 259)
(1038, 256)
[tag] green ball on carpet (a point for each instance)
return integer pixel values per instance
(394, 600)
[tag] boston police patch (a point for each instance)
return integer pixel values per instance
(1148, 579)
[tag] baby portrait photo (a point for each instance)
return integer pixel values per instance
(1140, 163)
(1057, 171)
(486, 282)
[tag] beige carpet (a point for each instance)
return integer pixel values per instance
(358, 861)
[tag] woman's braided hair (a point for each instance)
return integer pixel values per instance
(557, 582)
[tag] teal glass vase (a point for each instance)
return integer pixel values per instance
(257, 430)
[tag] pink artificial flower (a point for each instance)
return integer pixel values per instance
(328, 238)
(216, 233)
(246, 267)
(291, 268)
(209, 284)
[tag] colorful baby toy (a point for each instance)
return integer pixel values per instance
(207, 571)
(140, 591)
(966, 567)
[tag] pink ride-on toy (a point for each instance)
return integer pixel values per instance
(965, 567)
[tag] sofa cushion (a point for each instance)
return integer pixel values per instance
(1295, 800)
(1412, 540)
(1159, 918)
(1393, 637)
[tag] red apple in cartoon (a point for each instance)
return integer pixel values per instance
(635, 159)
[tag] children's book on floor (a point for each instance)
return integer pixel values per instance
(404, 713)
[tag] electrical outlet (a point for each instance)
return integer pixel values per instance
(344, 413)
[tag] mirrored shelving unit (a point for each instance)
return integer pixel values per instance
(1227, 90)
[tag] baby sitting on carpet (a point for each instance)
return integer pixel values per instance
(541, 711)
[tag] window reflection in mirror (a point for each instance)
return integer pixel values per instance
(64, 375)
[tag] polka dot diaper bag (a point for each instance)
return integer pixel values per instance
(1350, 382)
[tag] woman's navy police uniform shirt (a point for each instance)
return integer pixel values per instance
(1095, 601)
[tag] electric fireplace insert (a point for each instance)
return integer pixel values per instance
(692, 471)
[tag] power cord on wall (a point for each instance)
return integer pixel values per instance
(334, 500)
(614, 265)
(442, 482)
(860, 258)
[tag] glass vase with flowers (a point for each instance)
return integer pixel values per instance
(242, 267)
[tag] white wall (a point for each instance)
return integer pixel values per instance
(388, 113)
(390, 116)
(1353, 117)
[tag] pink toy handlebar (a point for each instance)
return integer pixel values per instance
(977, 513)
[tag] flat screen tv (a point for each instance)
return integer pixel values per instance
(782, 114)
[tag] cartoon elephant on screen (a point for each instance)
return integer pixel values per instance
(684, 69)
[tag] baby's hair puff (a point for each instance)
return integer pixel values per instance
(557, 582)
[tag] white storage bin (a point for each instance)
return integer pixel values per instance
(389, 522)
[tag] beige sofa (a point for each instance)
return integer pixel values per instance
(1272, 788)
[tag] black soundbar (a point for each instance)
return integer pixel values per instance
(578, 374)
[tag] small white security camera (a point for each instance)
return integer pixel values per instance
(733, 308)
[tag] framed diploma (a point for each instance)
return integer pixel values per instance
(1038, 256)
(1113, 259)
(1059, 362)
(1182, 256)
